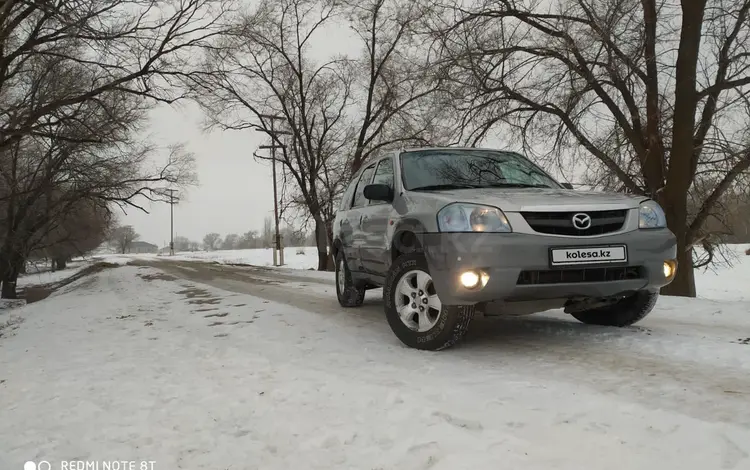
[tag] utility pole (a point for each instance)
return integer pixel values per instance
(277, 260)
(172, 202)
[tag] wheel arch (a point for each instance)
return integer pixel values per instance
(407, 238)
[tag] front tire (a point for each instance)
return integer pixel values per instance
(414, 311)
(348, 294)
(626, 312)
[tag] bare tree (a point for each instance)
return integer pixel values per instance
(122, 237)
(183, 243)
(292, 236)
(211, 241)
(90, 155)
(396, 84)
(92, 47)
(80, 230)
(231, 242)
(645, 96)
(263, 67)
(69, 73)
(249, 240)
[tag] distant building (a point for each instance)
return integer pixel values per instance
(143, 247)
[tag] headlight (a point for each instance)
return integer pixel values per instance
(472, 218)
(651, 215)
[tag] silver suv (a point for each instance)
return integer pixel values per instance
(449, 231)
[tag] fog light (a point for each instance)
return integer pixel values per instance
(670, 267)
(470, 279)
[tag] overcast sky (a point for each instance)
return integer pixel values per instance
(235, 192)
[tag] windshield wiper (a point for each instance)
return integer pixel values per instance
(514, 185)
(437, 187)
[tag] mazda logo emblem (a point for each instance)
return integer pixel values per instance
(582, 221)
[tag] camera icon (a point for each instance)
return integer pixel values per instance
(43, 465)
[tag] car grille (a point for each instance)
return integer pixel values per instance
(574, 276)
(561, 223)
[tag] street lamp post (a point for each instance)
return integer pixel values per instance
(277, 261)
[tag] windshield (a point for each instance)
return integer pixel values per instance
(469, 168)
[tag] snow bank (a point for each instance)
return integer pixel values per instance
(726, 282)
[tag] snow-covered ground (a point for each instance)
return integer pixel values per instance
(723, 282)
(131, 364)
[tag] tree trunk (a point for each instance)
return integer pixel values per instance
(681, 166)
(683, 284)
(329, 237)
(61, 262)
(2, 268)
(325, 263)
(10, 271)
(8, 290)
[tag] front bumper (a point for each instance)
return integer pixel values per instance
(505, 255)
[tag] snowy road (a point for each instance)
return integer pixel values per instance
(689, 352)
(220, 367)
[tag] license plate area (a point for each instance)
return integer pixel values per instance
(588, 255)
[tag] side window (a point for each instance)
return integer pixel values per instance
(346, 199)
(384, 173)
(359, 196)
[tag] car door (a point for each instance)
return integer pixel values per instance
(343, 229)
(354, 217)
(374, 250)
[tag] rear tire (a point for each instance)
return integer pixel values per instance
(626, 312)
(348, 294)
(433, 328)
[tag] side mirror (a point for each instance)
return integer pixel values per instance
(378, 192)
(567, 186)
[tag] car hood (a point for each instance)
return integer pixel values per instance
(535, 199)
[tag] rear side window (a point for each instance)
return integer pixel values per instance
(359, 196)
